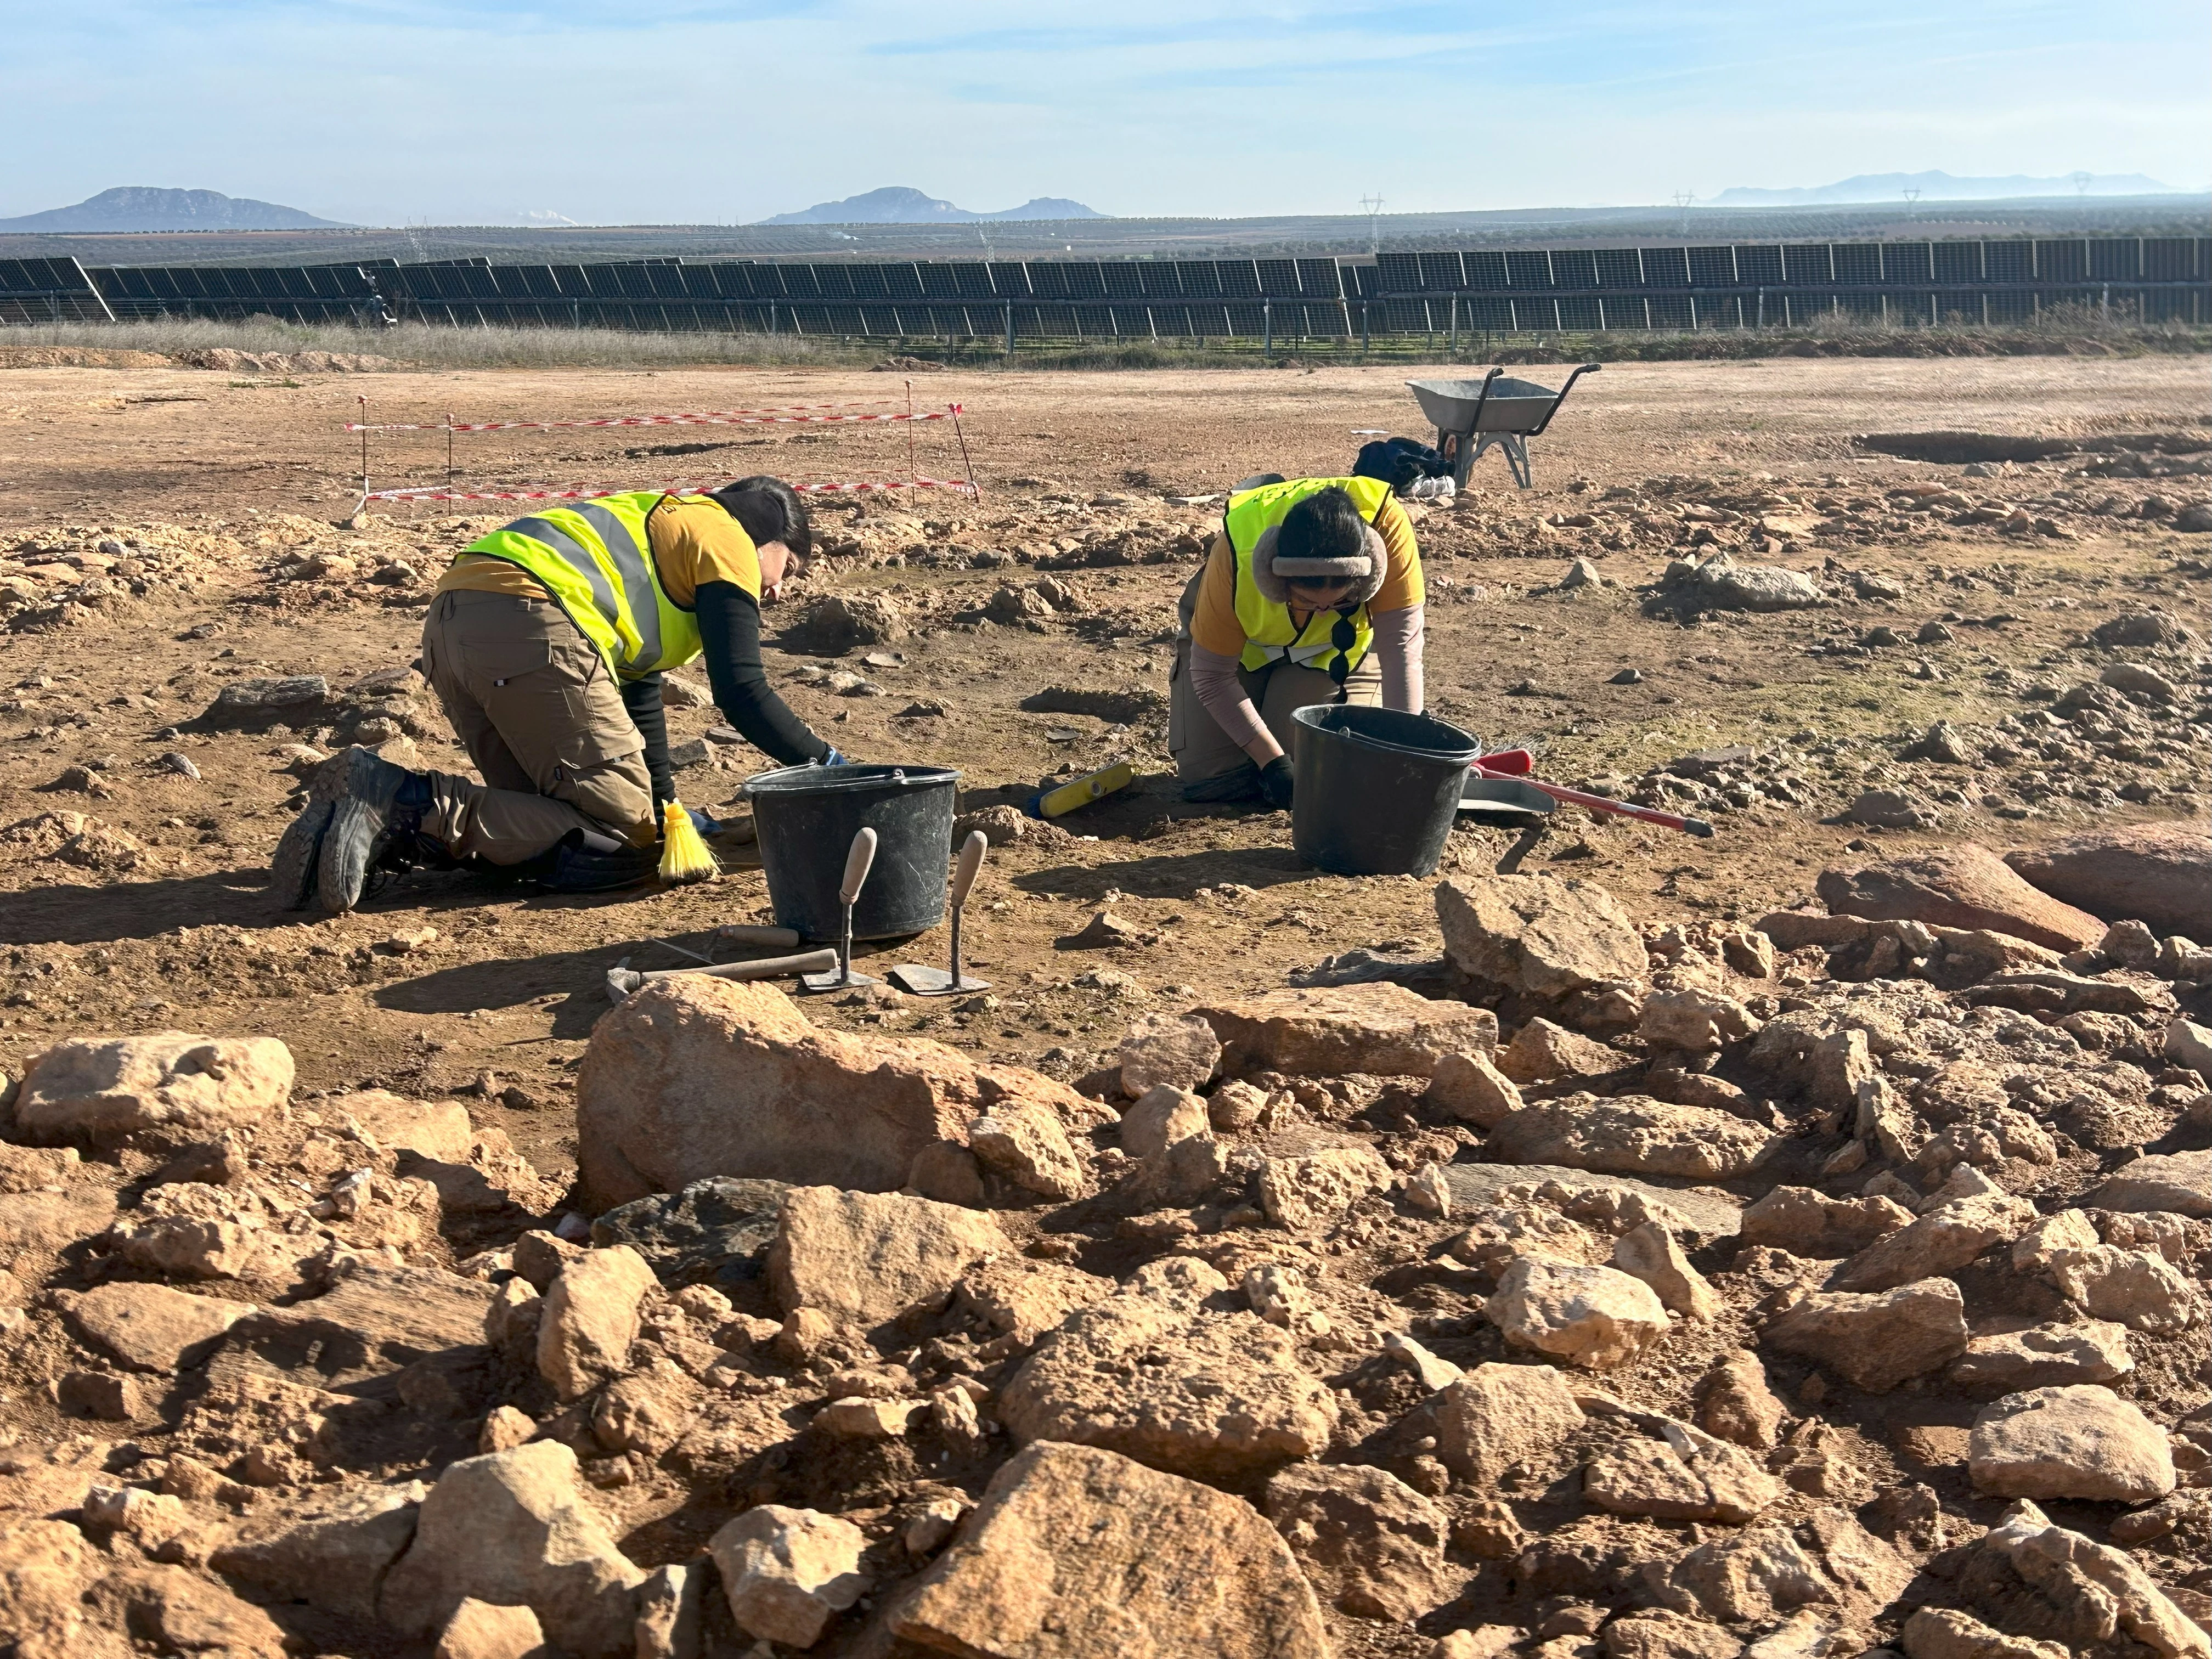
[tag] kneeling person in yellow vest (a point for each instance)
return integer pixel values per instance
(546, 642)
(1312, 594)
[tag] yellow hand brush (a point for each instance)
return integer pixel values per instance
(683, 854)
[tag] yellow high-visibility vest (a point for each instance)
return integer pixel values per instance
(1270, 633)
(596, 560)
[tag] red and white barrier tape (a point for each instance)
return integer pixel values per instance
(585, 493)
(727, 417)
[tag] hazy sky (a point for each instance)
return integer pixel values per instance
(709, 111)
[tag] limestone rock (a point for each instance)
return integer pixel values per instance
(862, 1258)
(1019, 1297)
(1229, 1395)
(2178, 1182)
(330, 1547)
(1381, 1030)
(190, 1247)
(1077, 1554)
(1662, 1633)
(1876, 1341)
(590, 1317)
(1965, 886)
(2051, 1583)
(2159, 874)
(1736, 1402)
(1162, 1115)
(1946, 1633)
(514, 1528)
(1366, 1540)
(1648, 1252)
(1942, 1240)
(1541, 1052)
(170, 1085)
(1591, 1317)
(787, 1572)
(151, 1328)
(1473, 1090)
(1701, 1215)
(1303, 1194)
(1631, 1136)
(671, 1612)
(1762, 1574)
(2046, 1356)
(478, 1630)
(1534, 934)
(2081, 1441)
(696, 1077)
(438, 1130)
(1178, 1050)
(1808, 1223)
(1694, 1021)
(1026, 1144)
(1724, 585)
(1684, 1475)
(2141, 1288)
(390, 1316)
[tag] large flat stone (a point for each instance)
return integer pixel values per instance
(151, 1328)
(696, 1077)
(1382, 1029)
(1965, 886)
(1705, 1214)
(863, 1257)
(1077, 1554)
(1631, 1135)
(2159, 874)
(1535, 934)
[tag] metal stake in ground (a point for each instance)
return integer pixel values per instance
(935, 982)
(849, 894)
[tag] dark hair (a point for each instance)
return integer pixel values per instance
(771, 511)
(1325, 525)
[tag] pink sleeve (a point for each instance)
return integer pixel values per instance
(1221, 694)
(1398, 640)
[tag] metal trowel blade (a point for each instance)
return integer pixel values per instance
(917, 981)
(831, 979)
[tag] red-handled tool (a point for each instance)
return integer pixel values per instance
(1518, 762)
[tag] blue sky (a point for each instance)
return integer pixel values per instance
(488, 111)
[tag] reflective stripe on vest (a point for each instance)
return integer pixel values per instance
(595, 559)
(1271, 635)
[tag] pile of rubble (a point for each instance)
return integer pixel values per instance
(1834, 1287)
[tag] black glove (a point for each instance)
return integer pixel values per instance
(1276, 780)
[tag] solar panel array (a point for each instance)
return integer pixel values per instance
(48, 291)
(1729, 285)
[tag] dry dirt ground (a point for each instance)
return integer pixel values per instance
(166, 536)
(218, 498)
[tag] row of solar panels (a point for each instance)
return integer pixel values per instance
(737, 294)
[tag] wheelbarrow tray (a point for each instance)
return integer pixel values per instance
(1512, 406)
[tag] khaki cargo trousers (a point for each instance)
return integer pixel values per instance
(538, 709)
(1202, 750)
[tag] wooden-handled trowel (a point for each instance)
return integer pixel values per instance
(936, 981)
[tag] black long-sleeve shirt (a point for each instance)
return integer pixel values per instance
(729, 635)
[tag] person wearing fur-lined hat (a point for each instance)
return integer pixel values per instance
(1312, 593)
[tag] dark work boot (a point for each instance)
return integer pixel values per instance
(379, 817)
(292, 867)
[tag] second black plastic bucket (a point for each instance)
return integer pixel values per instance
(806, 818)
(1377, 790)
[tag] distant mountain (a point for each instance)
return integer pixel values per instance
(898, 205)
(1942, 187)
(141, 207)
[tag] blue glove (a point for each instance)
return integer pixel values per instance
(833, 758)
(700, 821)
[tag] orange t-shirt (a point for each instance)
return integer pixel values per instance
(1213, 624)
(694, 540)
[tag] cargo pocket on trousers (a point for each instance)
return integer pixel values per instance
(1178, 716)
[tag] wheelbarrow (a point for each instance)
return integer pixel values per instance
(1473, 416)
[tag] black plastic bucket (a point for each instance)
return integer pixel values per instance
(806, 818)
(1378, 789)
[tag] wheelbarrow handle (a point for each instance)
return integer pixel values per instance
(1587, 369)
(1697, 827)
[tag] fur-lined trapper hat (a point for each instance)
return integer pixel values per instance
(1271, 575)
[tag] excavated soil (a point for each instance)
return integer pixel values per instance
(165, 532)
